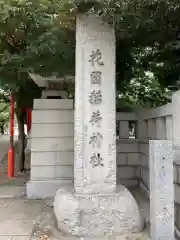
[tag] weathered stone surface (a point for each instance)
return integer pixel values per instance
(97, 215)
(95, 107)
(161, 190)
(45, 226)
(95, 208)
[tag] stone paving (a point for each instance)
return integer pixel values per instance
(17, 217)
(17, 214)
(22, 219)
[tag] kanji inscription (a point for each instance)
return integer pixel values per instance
(96, 119)
(96, 160)
(96, 140)
(96, 57)
(96, 77)
(95, 97)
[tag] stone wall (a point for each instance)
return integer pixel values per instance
(52, 140)
(52, 153)
(144, 164)
(161, 123)
(152, 124)
(51, 147)
(128, 160)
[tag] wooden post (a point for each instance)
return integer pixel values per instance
(11, 145)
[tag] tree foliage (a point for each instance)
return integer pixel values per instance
(147, 34)
(40, 37)
(144, 90)
(32, 39)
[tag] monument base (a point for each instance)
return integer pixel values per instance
(97, 215)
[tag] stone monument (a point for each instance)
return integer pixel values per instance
(95, 207)
(51, 141)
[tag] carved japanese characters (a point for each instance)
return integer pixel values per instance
(96, 99)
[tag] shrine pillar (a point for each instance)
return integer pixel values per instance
(94, 206)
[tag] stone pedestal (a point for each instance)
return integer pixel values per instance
(97, 215)
(95, 207)
(51, 148)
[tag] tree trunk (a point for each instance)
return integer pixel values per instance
(2, 130)
(21, 139)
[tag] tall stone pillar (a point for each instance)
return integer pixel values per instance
(94, 207)
(95, 107)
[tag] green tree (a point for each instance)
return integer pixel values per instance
(39, 36)
(144, 90)
(32, 39)
(147, 30)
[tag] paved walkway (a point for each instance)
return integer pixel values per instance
(19, 216)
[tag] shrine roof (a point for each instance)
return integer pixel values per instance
(45, 82)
